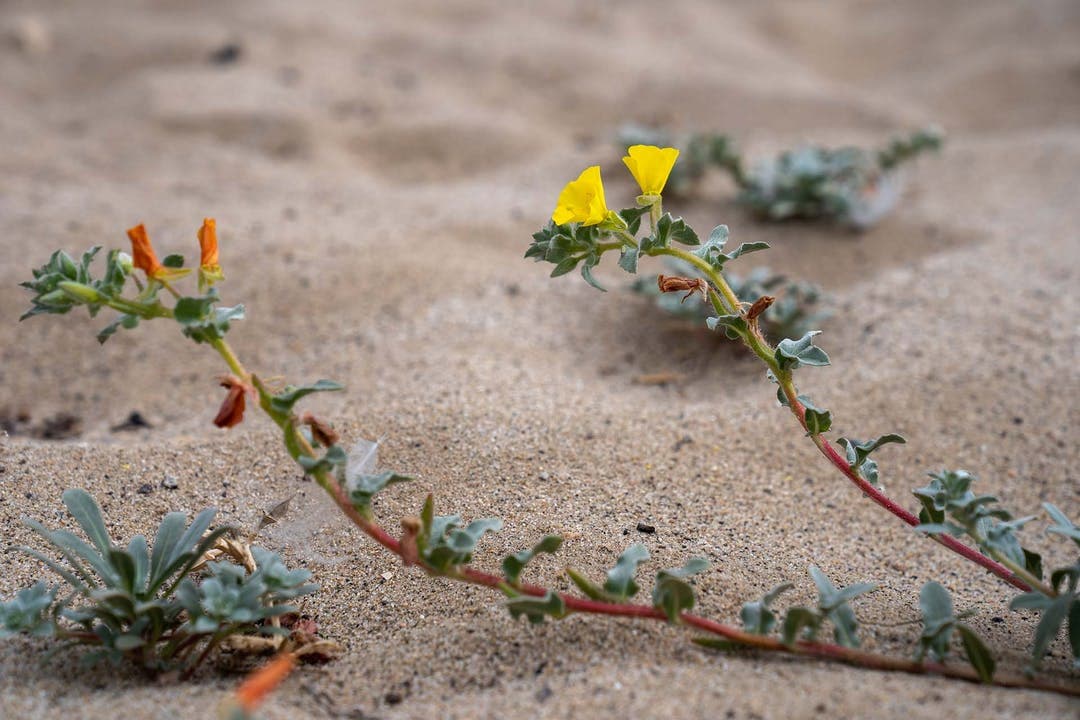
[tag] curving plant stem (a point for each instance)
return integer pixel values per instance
(725, 302)
(298, 446)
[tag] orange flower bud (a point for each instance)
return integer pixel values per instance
(253, 691)
(142, 253)
(208, 243)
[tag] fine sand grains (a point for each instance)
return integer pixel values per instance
(376, 170)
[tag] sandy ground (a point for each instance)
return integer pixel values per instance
(376, 170)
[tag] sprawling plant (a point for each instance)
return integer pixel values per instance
(851, 185)
(583, 229)
(161, 605)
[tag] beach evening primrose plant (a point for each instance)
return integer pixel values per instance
(444, 546)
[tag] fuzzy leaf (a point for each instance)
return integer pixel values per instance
(536, 609)
(757, 617)
(283, 402)
(977, 653)
(795, 353)
(672, 593)
(620, 579)
(513, 565)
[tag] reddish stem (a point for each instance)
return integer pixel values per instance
(884, 501)
(823, 651)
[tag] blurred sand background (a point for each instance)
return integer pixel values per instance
(376, 170)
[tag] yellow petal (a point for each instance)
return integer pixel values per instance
(582, 200)
(650, 166)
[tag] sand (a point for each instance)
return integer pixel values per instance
(376, 170)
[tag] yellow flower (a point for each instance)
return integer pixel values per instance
(650, 166)
(582, 200)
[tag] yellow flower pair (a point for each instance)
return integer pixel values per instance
(582, 200)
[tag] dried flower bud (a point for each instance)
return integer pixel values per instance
(760, 305)
(320, 431)
(232, 407)
(669, 283)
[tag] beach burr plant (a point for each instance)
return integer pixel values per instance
(445, 546)
(853, 186)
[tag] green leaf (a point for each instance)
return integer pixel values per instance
(757, 617)
(818, 420)
(88, 515)
(746, 248)
(589, 588)
(632, 218)
(833, 603)
(735, 326)
(667, 230)
(672, 593)
(620, 579)
(165, 544)
(800, 622)
(935, 603)
(334, 459)
(565, 266)
(536, 609)
(446, 545)
(712, 251)
(283, 402)
(513, 565)
(201, 321)
(977, 653)
(791, 354)
(1031, 601)
(125, 321)
(586, 272)
(1063, 526)
(362, 488)
(1049, 624)
(173, 261)
(628, 259)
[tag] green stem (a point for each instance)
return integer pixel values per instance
(227, 354)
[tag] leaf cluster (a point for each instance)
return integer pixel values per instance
(950, 506)
(144, 602)
(62, 283)
(851, 185)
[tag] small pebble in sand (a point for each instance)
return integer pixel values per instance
(31, 35)
(170, 483)
(145, 489)
(647, 529)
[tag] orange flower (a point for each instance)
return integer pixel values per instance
(209, 269)
(253, 691)
(142, 253)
